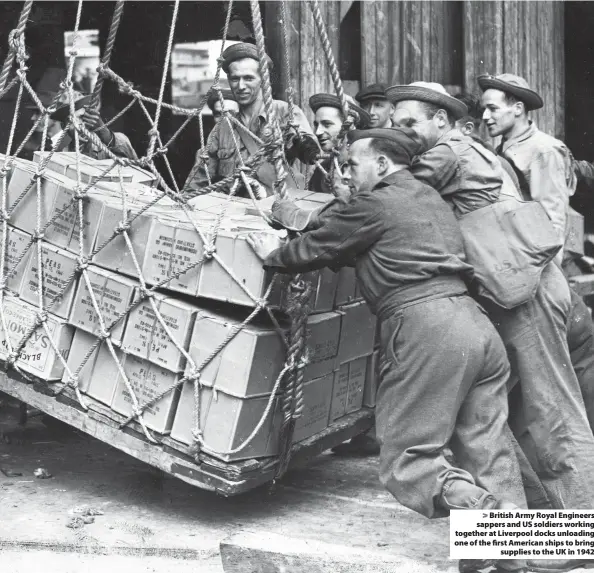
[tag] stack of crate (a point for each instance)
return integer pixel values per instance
(199, 309)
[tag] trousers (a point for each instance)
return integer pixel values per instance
(443, 381)
(547, 411)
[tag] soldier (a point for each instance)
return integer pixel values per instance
(443, 369)
(372, 99)
(228, 144)
(47, 89)
(328, 122)
(546, 407)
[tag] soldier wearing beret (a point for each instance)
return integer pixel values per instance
(469, 177)
(241, 65)
(373, 100)
(328, 121)
(408, 253)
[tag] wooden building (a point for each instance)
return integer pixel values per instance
(450, 42)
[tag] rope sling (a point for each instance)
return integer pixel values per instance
(289, 384)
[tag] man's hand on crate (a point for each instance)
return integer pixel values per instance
(262, 243)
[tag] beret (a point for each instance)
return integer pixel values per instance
(372, 91)
(428, 92)
(213, 97)
(514, 85)
(240, 51)
(404, 142)
(317, 101)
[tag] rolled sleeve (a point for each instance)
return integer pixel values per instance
(345, 233)
(122, 147)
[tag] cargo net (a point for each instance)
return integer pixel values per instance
(289, 383)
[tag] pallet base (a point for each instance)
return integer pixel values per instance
(207, 472)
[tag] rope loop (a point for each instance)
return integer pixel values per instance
(79, 193)
(83, 264)
(4, 216)
(38, 236)
(42, 317)
(122, 227)
(146, 293)
(73, 52)
(104, 334)
(11, 358)
(193, 375)
(209, 251)
(72, 380)
(2, 286)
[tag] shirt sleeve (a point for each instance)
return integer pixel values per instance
(548, 186)
(436, 167)
(346, 233)
(197, 178)
(584, 171)
(122, 147)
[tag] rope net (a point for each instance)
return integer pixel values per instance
(88, 283)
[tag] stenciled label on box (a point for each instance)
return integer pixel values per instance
(173, 248)
(145, 336)
(37, 356)
(16, 255)
(113, 294)
(147, 381)
(58, 290)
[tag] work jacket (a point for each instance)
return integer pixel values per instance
(222, 153)
(400, 236)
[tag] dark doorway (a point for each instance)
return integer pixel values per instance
(579, 91)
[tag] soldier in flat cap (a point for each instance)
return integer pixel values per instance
(214, 104)
(241, 65)
(372, 99)
(443, 368)
(328, 122)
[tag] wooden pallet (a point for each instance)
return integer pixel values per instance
(225, 478)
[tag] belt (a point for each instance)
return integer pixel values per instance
(423, 291)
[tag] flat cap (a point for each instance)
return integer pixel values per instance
(240, 51)
(317, 101)
(372, 91)
(428, 92)
(514, 85)
(406, 143)
(213, 97)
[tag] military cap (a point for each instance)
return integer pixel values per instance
(317, 101)
(428, 92)
(240, 51)
(372, 91)
(513, 85)
(405, 142)
(213, 97)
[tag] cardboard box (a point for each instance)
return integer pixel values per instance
(371, 380)
(115, 255)
(231, 246)
(37, 356)
(346, 287)
(247, 366)
(171, 247)
(357, 334)
(147, 380)
(574, 241)
(113, 293)
(348, 389)
(227, 421)
(131, 172)
(64, 163)
(323, 284)
(145, 337)
(317, 399)
(58, 267)
(17, 247)
(98, 376)
(323, 336)
(57, 193)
